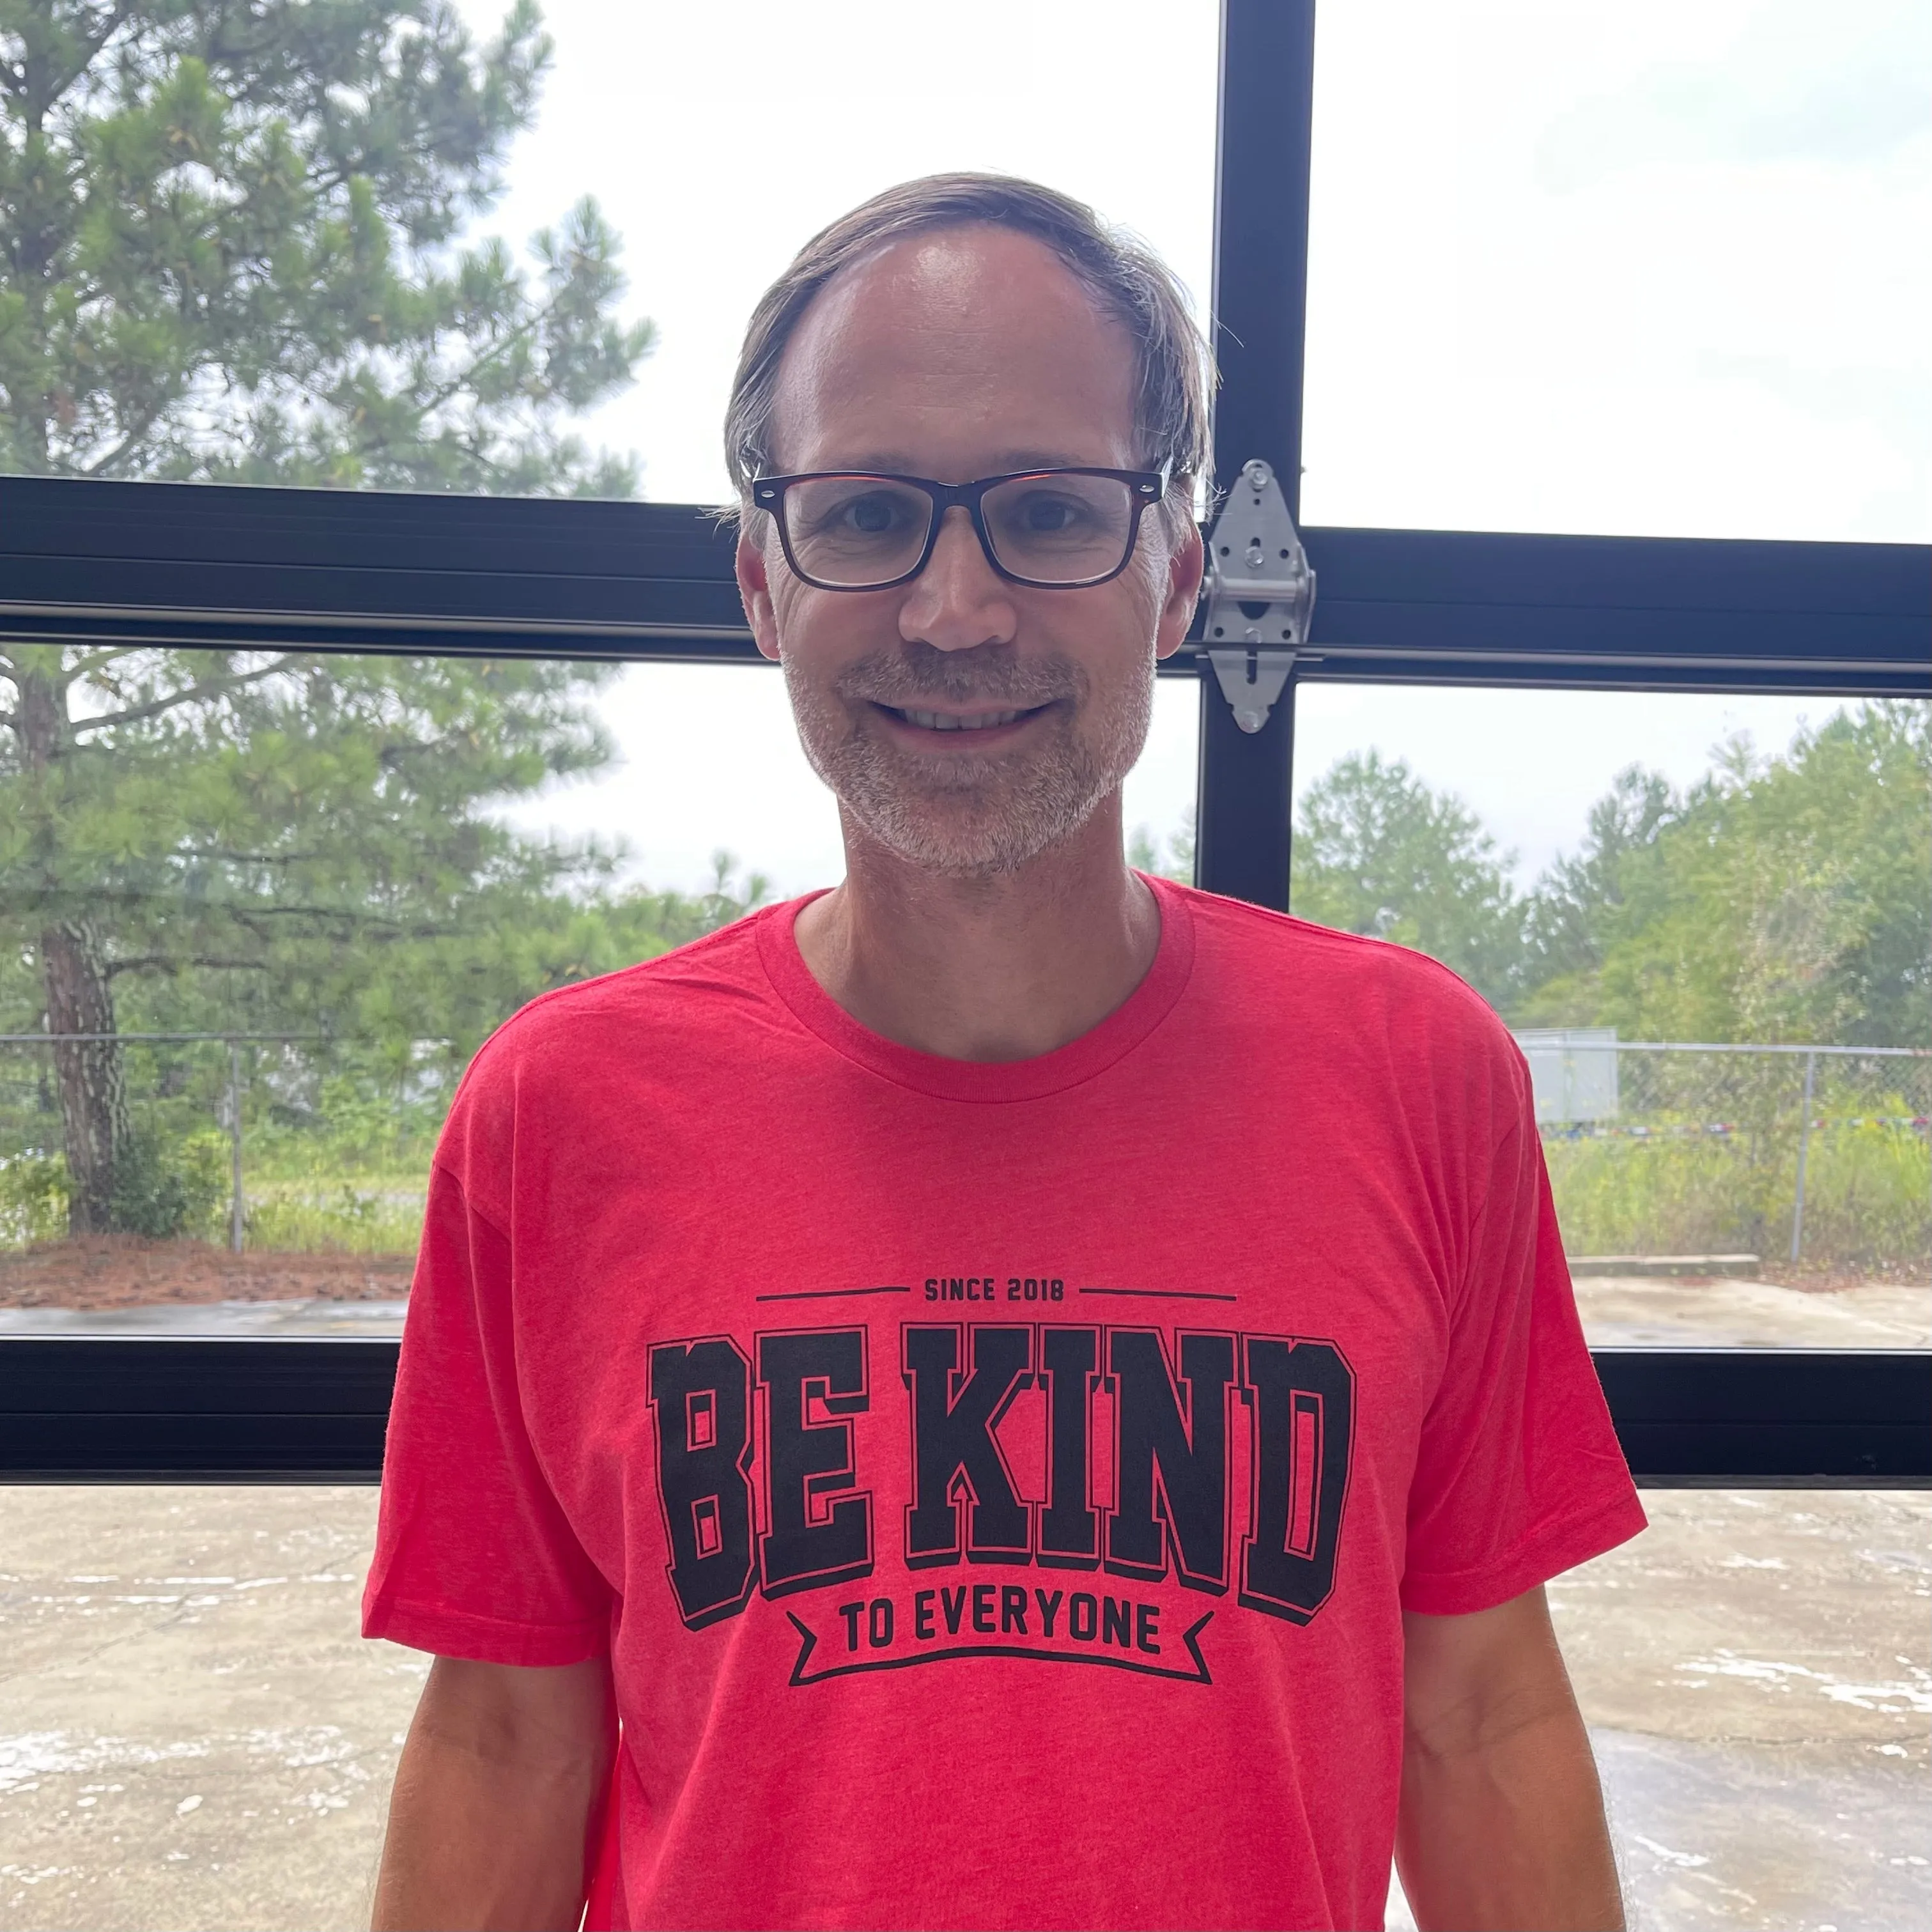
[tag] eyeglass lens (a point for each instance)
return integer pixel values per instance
(1056, 528)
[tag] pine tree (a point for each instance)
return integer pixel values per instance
(233, 248)
(232, 235)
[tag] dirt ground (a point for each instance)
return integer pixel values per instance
(119, 1271)
(192, 1734)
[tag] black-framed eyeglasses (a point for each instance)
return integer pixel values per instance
(1050, 529)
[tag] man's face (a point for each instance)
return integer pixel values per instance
(966, 723)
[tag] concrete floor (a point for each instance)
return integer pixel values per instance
(194, 1735)
(1637, 1311)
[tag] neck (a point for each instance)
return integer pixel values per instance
(1004, 968)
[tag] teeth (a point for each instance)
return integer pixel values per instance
(946, 721)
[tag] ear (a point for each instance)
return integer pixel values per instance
(1185, 564)
(754, 590)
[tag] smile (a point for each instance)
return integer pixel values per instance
(955, 721)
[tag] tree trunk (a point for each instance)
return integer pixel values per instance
(92, 1081)
(89, 1073)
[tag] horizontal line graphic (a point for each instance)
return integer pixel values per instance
(827, 1294)
(1160, 1294)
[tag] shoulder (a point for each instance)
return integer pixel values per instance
(1253, 945)
(688, 985)
(1356, 996)
(664, 1022)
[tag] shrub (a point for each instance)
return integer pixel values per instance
(1868, 1194)
(33, 1198)
(161, 1191)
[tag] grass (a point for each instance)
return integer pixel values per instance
(1867, 1194)
(364, 1214)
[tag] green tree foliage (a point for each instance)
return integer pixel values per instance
(1171, 857)
(230, 250)
(257, 842)
(233, 248)
(1784, 898)
(1377, 851)
(250, 840)
(1570, 916)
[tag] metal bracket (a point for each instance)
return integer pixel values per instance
(1255, 558)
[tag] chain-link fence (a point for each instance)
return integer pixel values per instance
(1820, 1154)
(299, 1143)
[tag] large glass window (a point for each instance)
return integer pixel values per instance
(271, 904)
(1650, 270)
(1708, 921)
(813, 110)
(480, 249)
(1643, 270)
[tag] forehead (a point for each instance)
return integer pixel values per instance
(956, 347)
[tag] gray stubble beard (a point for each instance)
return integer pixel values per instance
(971, 817)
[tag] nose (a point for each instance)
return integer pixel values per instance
(959, 602)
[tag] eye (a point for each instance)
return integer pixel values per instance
(1046, 513)
(871, 515)
(852, 514)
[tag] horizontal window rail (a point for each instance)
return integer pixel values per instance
(113, 1409)
(218, 566)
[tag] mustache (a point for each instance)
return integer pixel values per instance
(991, 675)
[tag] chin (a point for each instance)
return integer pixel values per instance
(964, 832)
(965, 818)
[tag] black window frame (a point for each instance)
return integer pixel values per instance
(187, 565)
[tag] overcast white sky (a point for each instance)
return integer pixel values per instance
(1657, 268)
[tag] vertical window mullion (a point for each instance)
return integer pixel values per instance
(1260, 307)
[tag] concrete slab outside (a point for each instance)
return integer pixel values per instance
(1645, 1312)
(195, 1737)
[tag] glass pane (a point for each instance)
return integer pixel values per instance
(290, 896)
(1672, 900)
(707, 765)
(532, 278)
(1648, 269)
(1753, 1671)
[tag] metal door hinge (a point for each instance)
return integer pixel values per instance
(1255, 558)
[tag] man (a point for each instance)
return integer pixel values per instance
(1037, 1396)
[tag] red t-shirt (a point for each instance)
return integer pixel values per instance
(997, 1486)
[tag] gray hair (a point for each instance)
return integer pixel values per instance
(1130, 283)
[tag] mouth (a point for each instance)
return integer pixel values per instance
(977, 725)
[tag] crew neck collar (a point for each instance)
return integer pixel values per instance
(978, 1080)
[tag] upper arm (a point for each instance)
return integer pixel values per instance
(475, 1554)
(1469, 1680)
(536, 1717)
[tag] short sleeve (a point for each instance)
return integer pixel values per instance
(474, 1556)
(1518, 1475)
